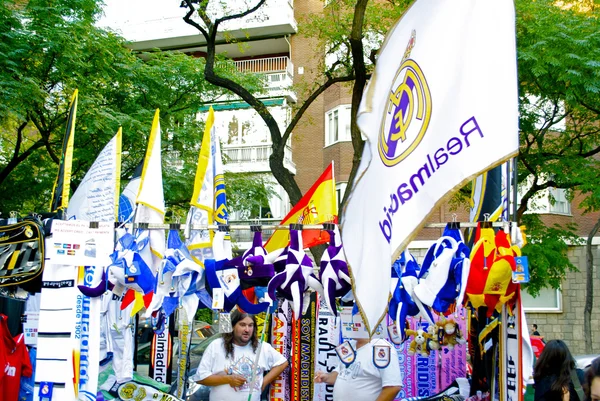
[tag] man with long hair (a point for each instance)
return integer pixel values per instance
(233, 363)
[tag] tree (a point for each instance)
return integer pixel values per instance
(349, 29)
(558, 64)
(51, 48)
(559, 60)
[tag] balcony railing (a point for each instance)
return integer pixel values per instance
(267, 65)
(243, 154)
(247, 236)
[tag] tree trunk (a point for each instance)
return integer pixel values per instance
(589, 290)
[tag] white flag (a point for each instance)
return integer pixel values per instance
(150, 198)
(97, 196)
(440, 109)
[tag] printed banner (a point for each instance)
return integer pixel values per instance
(86, 336)
(295, 365)
(426, 367)
(306, 366)
(55, 355)
(74, 243)
(69, 330)
(328, 337)
(431, 127)
(454, 362)
(511, 377)
(280, 341)
(289, 349)
(160, 356)
(185, 340)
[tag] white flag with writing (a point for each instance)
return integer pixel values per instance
(97, 196)
(441, 107)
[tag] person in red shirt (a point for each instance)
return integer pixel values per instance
(14, 362)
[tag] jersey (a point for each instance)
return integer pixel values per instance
(362, 380)
(14, 362)
(241, 363)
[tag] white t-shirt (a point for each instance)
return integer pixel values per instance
(242, 363)
(362, 380)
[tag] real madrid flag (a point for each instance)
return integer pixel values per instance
(440, 109)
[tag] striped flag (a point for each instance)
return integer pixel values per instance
(317, 206)
(60, 191)
(199, 242)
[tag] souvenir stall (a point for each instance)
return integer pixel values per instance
(451, 317)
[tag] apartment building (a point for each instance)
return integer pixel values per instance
(271, 44)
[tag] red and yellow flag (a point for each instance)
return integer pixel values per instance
(317, 206)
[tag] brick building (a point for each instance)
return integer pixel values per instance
(274, 47)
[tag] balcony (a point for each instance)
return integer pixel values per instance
(278, 71)
(151, 24)
(254, 158)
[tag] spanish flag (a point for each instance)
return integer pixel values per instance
(317, 206)
(60, 192)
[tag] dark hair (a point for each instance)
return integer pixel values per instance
(555, 360)
(534, 326)
(590, 374)
(236, 316)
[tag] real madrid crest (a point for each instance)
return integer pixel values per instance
(393, 334)
(28, 232)
(381, 355)
(408, 111)
(346, 353)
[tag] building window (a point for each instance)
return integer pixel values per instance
(337, 127)
(559, 202)
(550, 200)
(340, 190)
(548, 300)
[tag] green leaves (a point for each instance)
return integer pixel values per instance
(546, 250)
(49, 49)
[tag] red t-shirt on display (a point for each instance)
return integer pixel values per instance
(14, 362)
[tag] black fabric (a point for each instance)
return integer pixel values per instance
(482, 363)
(14, 310)
(543, 390)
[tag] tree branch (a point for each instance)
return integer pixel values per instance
(281, 174)
(188, 19)
(18, 158)
(360, 72)
(308, 102)
(240, 15)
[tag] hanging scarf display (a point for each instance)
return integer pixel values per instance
(403, 302)
(297, 277)
(223, 276)
(333, 272)
(444, 272)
